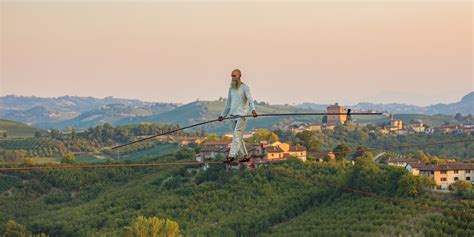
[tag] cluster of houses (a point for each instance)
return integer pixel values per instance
(261, 151)
(396, 126)
(443, 174)
(338, 117)
(417, 126)
(456, 129)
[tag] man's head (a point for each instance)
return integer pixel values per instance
(236, 74)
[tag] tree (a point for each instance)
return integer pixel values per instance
(55, 134)
(420, 155)
(37, 134)
(412, 186)
(308, 140)
(263, 134)
(460, 186)
(185, 154)
(152, 227)
(360, 151)
(211, 138)
(28, 161)
(68, 158)
(324, 119)
(13, 229)
(366, 175)
(341, 151)
(73, 133)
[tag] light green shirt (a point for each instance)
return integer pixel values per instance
(239, 101)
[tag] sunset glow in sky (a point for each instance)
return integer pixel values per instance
(323, 52)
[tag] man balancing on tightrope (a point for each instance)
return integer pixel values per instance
(239, 103)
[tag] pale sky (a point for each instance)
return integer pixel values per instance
(314, 51)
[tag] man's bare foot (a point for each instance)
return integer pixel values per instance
(245, 159)
(229, 159)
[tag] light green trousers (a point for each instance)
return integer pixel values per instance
(238, 148)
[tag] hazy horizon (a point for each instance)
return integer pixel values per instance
(416, 53)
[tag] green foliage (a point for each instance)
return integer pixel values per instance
(92, 141)
(367, 176)
(7, 182)
(341, 151)
(13, 229)
(212, 138)
(237, 203)
(461, 185)
(12, 155)
(414, 185)
(466, 193)
(420, 155)
(68, 158)
(360, 151)
(185, 154)
(95, 202)
(28, 161)
(324, 119)
(38, 134)
(463, 188)
(309, 140)
(263, 134)
(44, 147)
(152, 227)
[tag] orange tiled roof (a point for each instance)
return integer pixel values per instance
(416, 164)
(297, 148)
(403, 160)
(449, 166)
(273, 149)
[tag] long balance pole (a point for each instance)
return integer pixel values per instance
(242, 116)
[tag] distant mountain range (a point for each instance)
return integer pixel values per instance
(75, 111)
(465, 106)
(83, 112)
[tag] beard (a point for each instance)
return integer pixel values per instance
(234, 84)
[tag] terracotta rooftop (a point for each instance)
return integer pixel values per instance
(416, 164)
(297, 148)
(273, 149)
(449, 166)
(403, 160)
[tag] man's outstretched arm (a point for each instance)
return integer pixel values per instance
(248, 95)
(226, 108)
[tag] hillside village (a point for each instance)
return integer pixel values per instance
(444, 174)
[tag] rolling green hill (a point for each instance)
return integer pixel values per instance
(17, 129)
(200, 111)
